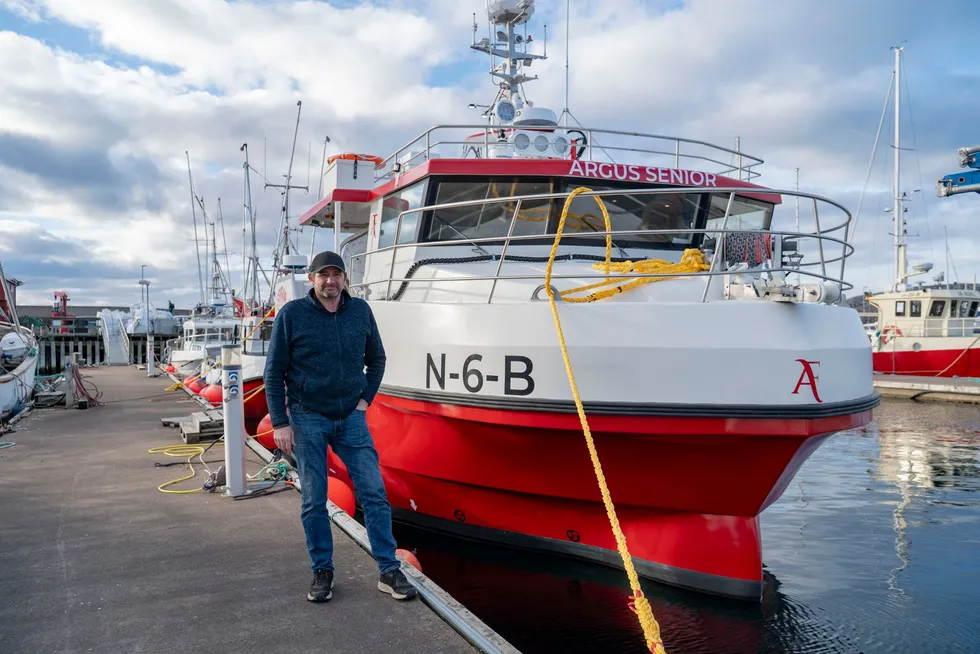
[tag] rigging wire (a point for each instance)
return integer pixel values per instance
(867, 178)
(874, 151)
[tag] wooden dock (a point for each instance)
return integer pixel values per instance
(55, 349)
(935, 389)
(96, 558)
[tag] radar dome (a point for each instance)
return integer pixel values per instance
(510, 11)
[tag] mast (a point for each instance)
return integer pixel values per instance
(285, 243)
(224, 244)
(197, 246)
(284, 219)
(901, 267)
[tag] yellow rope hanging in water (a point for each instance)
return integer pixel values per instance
(640, 604)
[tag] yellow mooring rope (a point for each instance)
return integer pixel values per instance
(640, 604)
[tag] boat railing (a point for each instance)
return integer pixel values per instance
(794, 244)
(607, 145)
(937, 328)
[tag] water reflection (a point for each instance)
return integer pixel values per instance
(871, 549)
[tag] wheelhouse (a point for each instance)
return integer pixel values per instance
(927, 312)
(482, 228)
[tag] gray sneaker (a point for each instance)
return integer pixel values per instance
(397, 585)
(321, 589)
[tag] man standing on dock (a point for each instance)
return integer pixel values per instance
(319, 349)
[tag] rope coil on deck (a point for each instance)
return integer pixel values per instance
(639, 604)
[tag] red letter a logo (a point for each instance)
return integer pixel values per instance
(808, 378)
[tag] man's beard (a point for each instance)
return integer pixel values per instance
(328, 293)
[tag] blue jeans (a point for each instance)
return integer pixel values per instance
(351, 441)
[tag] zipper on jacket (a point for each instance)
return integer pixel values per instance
(340, 357)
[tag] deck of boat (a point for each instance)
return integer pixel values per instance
(95, 558)
(939, 389)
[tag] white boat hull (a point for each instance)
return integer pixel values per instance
(17, 386)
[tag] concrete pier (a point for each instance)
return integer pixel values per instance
(95, 558)
(936, 389)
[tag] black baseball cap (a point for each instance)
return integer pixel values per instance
(325, 260)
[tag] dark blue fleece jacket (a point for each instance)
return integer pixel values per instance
(318, 359)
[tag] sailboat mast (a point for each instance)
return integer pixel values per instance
(197, 245)
(289, 172)
(899, 214)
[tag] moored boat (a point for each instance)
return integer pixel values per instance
(708, 374)
(922, 330)
(18, 354)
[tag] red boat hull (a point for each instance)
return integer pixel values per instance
(688, 490)
(928, 363)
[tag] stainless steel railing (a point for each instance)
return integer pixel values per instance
(819, 236)
(647, 149)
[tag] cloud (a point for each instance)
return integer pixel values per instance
(92, 143)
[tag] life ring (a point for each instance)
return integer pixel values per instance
(888, 332)
(351, 156)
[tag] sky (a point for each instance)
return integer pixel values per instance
(102, 102)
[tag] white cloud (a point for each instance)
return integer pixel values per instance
(802, 84)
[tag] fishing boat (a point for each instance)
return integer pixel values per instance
(202, 335)
(18, 354)
(216, 320)
(709, 350)
(923, 330)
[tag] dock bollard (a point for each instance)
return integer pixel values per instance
(234, 420)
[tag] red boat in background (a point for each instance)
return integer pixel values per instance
(922, 330)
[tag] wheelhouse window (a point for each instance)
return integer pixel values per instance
(410, 197)
(937, 309)
(900, 308)
(632, 211)
(745, 213)
(915, 308)
(489, 219)
(356, 245)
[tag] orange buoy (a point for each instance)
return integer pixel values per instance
(340, 494)
(194, 386)
(264, 435)
(170, 369)
(212, 393)
(351, 156)
(409, 558)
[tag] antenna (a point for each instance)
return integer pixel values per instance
(319, 190)
(568, 20)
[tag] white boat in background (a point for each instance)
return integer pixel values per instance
(216, 319)
(202, 336)
(18, 355)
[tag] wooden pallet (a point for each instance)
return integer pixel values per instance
(200, 426)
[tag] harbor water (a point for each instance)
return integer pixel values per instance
(874, 547)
